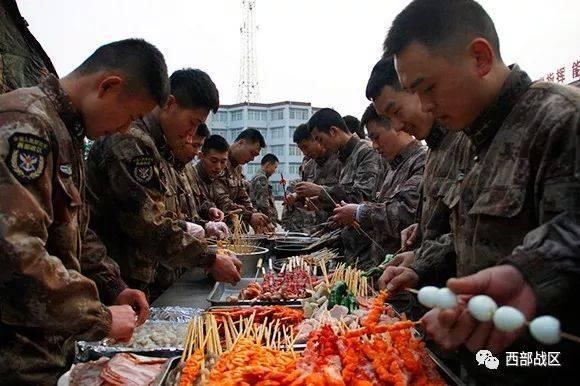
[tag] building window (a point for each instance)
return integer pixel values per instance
(291, 133)
(257, 115)
(277, 114)
(278, 150)
(301, 114)
(294, 168)
(236, 115)
(277, 132)
(234, 134)
(294, 151)
(252, 169)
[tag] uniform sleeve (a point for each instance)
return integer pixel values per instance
(142, 213)
(397, 212)
(38, 291)
(549, 260)
(99, 267)
(364, 184)
(240, 201)
(435, 261)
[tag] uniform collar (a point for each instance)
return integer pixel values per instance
(205, 177)
(348, 148)
(405, 154)
(152, 125)
(61, 101)
(436, 136)
(322, 160)
(488, 123)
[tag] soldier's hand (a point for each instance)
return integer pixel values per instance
(404, 259)
(312, 203)
(409, 236)
(308, 189)
(137, 300)
(395, 279)
(226, 268)
(195, 230)
(216, 215)
(219, 230)
(259, 220)
(345, 213)
(506, 285)
(123, 323)
(290, 199)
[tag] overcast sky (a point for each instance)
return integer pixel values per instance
(318, 51)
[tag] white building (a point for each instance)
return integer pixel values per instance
(276, 122)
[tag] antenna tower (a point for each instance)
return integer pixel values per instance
(248, 90)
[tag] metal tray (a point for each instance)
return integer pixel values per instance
(221, 291)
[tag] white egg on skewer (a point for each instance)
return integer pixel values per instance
(482, 307)
(546, 329)
(446, 299)
(508, 319)
(427, 296)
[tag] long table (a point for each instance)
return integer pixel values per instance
(190, 290)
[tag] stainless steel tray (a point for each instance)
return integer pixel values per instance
(221, 291)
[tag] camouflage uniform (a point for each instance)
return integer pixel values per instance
(262, 196)
(358, 181)
(201, 200)
(230, 184)
(444, 170)
(395, 207)
(526, 171)
(23, 62)
(324, 171)
(137, 203)
(55, 272)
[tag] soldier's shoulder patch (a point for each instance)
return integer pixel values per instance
(27, 156)
(142, 166)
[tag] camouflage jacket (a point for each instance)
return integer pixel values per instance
(526, 170)
(23, 62)
(262, 196)
(444, 171)
(395, 204)
(200, 193)
(324, 171)
(231, 185)
(55, 272)
(361, 168)
(137, 205)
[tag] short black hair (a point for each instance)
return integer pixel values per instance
(253, 136)
(370, 115)
(215, 142)
(301, 133)
(354, 126)
(269, 159)
(141, 62)
(202, 131)
(440, 24)
(383, 74)
(194, 88)
(324, 118)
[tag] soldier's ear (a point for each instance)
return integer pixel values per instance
(109, 85)
(171, 101)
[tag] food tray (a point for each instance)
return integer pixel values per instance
(88, 351)
(221, 291)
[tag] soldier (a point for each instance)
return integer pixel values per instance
(57, 279)
(133, 181)
(361, 165)
(212, 163)
(354, 126)
(396, 202)
(320, 167)
(23, 61)
(261, 190)
(433, 240)
(231, 183)
(526, 170)
(195, 205)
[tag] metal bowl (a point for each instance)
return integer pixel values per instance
(284, 251)
(250, 260)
